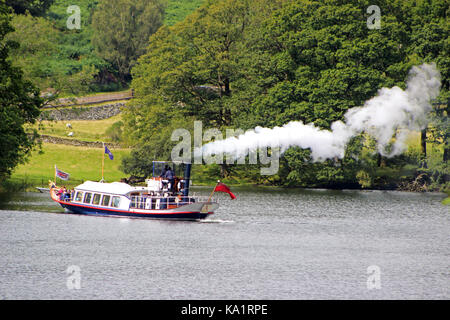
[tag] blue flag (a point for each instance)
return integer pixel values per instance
(109, 153)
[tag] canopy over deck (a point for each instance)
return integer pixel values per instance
(119, 188)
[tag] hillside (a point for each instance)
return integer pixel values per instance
(53, 56)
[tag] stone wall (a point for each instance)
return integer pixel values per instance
(93, 99)
(75, 142)
(82, 113)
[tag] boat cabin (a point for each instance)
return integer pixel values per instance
(163, 191)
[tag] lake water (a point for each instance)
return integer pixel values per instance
(266, 244)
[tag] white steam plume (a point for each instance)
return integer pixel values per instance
(391, 112)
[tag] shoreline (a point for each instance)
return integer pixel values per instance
(27, 187)
(33, 189)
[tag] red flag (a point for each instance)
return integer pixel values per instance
(221, 187)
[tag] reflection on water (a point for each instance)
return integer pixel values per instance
(267, 244)
(28, 201)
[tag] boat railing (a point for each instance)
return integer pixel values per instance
(160, 202)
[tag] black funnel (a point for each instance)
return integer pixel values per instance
(187, 178)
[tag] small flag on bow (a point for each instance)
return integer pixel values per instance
(60, 174)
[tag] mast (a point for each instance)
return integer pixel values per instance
(103, 161)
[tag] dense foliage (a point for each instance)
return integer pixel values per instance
(55, 58)
(64, 61)
(33, 7)
(19, 104)
(40, 52)
(122, 28)
(242, 64)
(177, 10)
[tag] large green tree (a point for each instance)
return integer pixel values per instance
(238, 63)
(324, 60)
(192, 71)
(122, 29)
(19, 104)
(321, 60)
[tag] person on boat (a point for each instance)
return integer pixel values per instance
(62, 192)
(171, 177)
(163, 173)
(67, 195)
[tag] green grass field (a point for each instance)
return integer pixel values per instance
(86, 130)
(81, 163)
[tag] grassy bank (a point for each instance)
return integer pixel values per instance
(86, 130)
(81, 163)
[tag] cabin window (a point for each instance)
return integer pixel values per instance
(88, 197)
(79, 196)
(105, 200)
(133, 202)
(115, 202)
(96, 199)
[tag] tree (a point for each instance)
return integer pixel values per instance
(45, 59)
(193, 71)
(430, 43)
(242, 64)
(321, 60)
(19, 104)
(324, 60)
(122, 29)
(34, 7)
